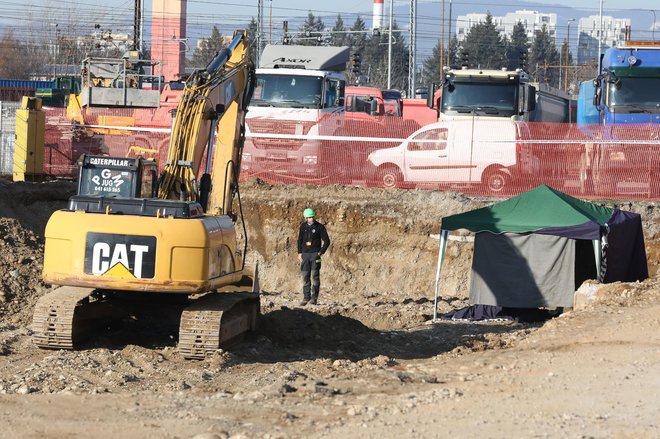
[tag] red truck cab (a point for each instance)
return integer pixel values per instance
(364, 102)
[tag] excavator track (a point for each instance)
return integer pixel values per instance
(216, 320)
(53, 321)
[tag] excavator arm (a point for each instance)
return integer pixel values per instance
(209, 123)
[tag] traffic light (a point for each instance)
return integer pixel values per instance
(523, 59)
(356, 63)
(465, 58)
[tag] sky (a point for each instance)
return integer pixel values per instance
(350, 9)
(362, 5)
(68, 18)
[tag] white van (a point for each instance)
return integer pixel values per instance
(449, 152)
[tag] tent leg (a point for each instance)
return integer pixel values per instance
(598, 252)
(441, 256)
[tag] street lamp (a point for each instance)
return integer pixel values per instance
(54, 50)
(568, 51)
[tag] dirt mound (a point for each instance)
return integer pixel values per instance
(21, 260)
(24, 211)
(619, 294)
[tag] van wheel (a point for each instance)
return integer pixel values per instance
(495, 181)
(390, 177)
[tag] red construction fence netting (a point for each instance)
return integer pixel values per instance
(485, 157)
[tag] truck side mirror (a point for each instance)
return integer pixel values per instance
(341, 92)
(373, 107)
(430, 96)
(531, 98)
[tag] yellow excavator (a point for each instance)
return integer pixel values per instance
(126, 231)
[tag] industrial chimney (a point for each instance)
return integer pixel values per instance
(168, 29)
(377, 21)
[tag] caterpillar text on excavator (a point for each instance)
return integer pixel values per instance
(129, 232)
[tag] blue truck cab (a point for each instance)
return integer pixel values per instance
(626, 90)
(619, 111)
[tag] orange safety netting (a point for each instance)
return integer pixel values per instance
(488, 158)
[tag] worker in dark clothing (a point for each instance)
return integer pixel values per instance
(313, 241)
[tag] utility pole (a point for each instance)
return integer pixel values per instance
(568, 51)
(389, 49)
(260, 28)
(442, 37)
(142, 26)
(600, 34)
(448, 62)
(270, 23)
(137, 20)
(412, 54)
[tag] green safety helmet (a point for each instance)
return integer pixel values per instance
(309, 213)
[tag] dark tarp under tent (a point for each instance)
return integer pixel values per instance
(535, 249)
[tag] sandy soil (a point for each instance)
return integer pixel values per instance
(366, 362)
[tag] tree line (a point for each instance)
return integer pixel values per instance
(483, 47)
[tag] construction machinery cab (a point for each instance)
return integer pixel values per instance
(118, 177)
(125, 186)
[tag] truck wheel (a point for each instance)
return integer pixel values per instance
(390, 177)
(495, 181)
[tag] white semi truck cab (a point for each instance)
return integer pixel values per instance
(498, 94)
(297, 88)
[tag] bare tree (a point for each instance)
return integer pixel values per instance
(17, 62)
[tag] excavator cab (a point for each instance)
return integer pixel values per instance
(125, 186)
(122, 177)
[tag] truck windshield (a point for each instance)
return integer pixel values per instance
(287, 91)
(493, 97)
(632, 93)
(392, 107)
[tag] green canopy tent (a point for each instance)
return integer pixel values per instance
(532, 249)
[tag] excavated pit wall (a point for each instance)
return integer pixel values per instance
(381, 244)
(382, 241)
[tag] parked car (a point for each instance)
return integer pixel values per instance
(451, 152)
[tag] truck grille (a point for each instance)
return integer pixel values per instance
(288, 144)
(271, 126)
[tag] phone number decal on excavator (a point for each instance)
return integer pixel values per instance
(109, 181)
(125, 256)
